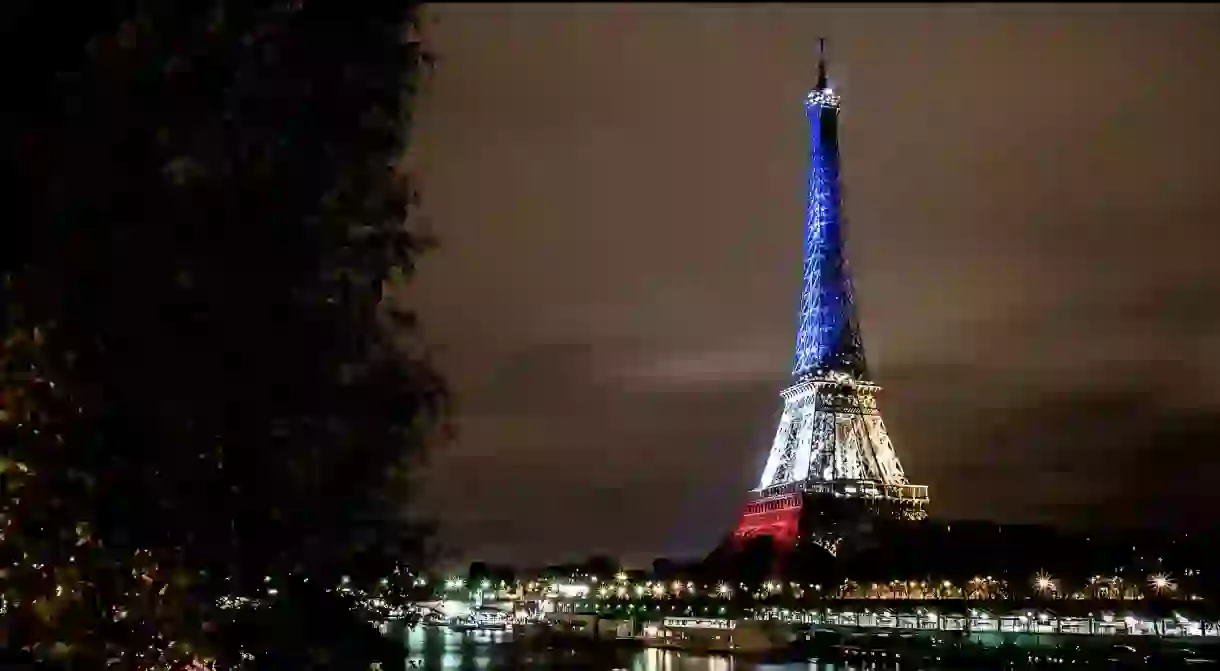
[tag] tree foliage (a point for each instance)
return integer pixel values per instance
(203, 393)
(602, 567)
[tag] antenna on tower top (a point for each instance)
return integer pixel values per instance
(822, 81)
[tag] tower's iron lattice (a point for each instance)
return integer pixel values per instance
(831, 460)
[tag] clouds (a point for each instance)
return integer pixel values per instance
(554, 455)
(1030, 195)
(1136, 456)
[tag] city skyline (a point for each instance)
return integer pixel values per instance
(618, 195)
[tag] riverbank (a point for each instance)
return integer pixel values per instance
(773, 638)
(1003, 648)
(924, 650)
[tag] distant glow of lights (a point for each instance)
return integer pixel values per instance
(1161, 583)
(574, 590)
(1043, 583)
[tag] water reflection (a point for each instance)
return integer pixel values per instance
(439, 648)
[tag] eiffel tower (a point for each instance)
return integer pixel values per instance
(832, 469)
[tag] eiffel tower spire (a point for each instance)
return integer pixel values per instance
(828, 333)
(822, 82)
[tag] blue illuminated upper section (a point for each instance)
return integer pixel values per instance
(828, 336)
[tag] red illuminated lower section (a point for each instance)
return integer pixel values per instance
(778, 517)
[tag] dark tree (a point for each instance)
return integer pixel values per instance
(502, 573)
(477, 573)
(204, 392)
(663, 568)
(603, 568)
(755, 563)
(636, 575)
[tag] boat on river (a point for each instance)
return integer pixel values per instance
(481, 619)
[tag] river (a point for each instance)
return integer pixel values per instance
(438, 648)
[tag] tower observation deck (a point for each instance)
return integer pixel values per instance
(831, 464)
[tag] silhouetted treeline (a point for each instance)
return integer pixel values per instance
(932, 550)
(490, 573)
(962, 550)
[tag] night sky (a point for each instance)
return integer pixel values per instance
(1032, 206)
